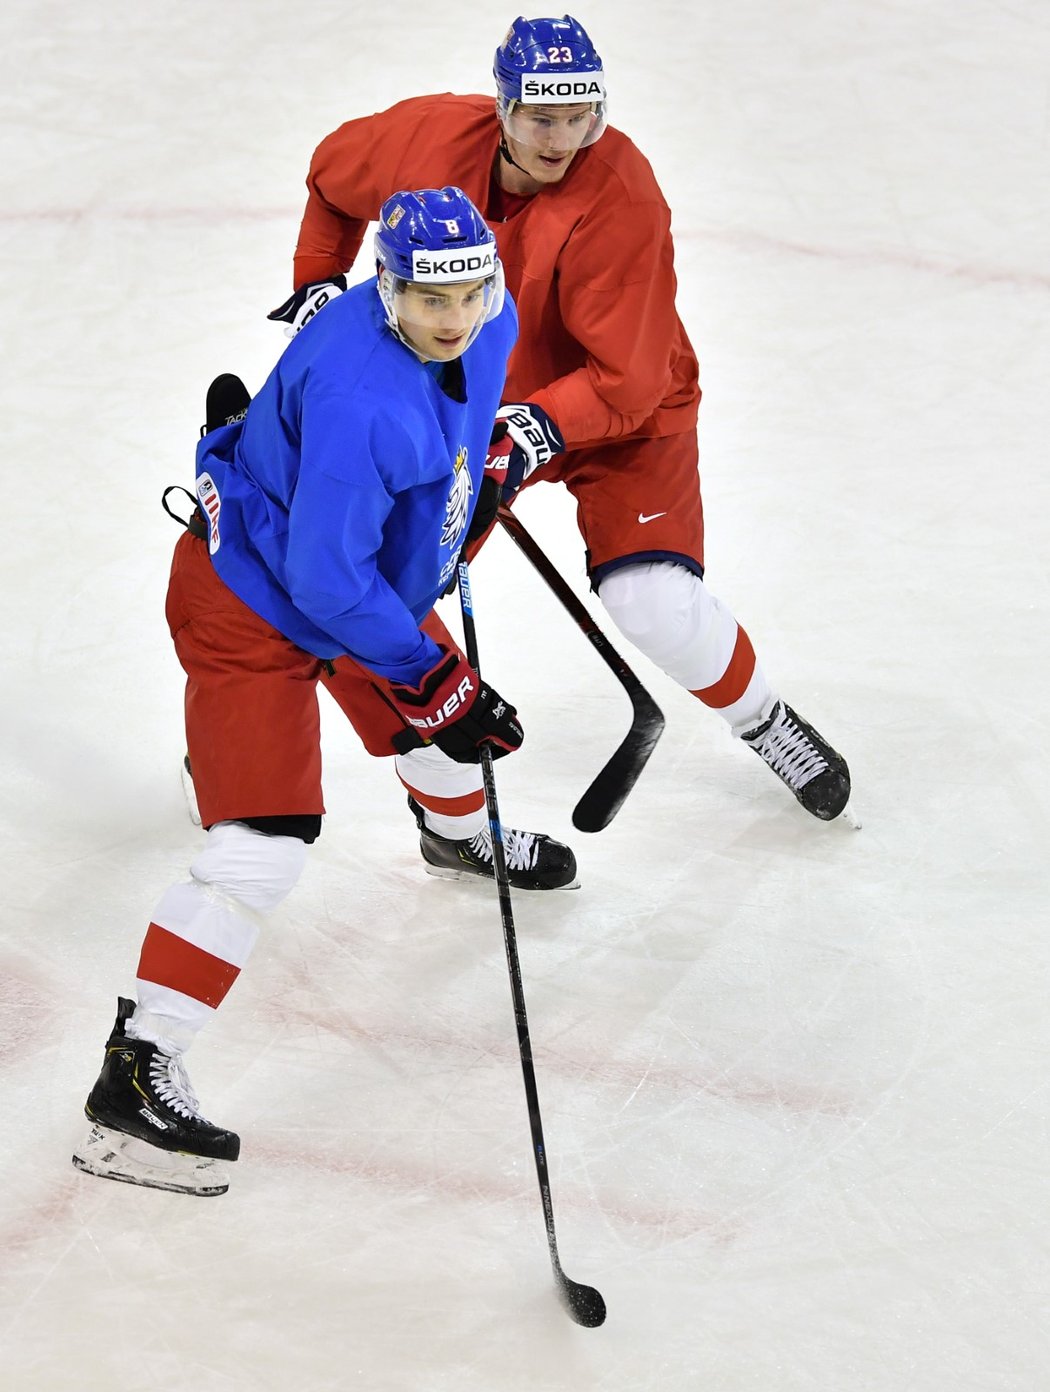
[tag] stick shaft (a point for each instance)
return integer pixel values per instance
(517, 988)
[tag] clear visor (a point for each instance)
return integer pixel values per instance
(552, 129)
(439, 321)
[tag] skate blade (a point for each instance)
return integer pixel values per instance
(112, 1155)
(447, 872)
(191, 792)
(850, 817)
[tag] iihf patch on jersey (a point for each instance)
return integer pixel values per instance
(211, 505)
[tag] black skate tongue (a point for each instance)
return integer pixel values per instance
(228, 399)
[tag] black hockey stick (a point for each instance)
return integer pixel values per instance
(583, 1303)
(604, 798)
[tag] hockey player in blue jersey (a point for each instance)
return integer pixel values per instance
(330, 521)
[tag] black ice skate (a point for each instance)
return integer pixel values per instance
(814, 772)
(534, 861)
(146, 1123)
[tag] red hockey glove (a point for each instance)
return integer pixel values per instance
(457, 711)
(300, 307)
(535, 441)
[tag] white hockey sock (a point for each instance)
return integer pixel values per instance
(203, 930)
(669, 614)
(753, 708)
(451, 794)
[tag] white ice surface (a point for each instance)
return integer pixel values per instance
(793, 1078)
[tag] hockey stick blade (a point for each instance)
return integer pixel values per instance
(608, 791)
(582, 1303)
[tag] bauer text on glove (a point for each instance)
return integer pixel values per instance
(454, 709)
(535, 440)
(300, 307)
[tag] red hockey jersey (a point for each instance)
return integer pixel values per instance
(588, 260)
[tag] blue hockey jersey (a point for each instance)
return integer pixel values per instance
(337, 509)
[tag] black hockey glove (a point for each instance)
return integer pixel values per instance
(493, 483)
(535, 441)
(454, 709)
(300, 307)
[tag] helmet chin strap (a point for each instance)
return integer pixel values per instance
(505, 153)
(385, 285)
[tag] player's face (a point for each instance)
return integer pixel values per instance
(544, 140)
(437, 320)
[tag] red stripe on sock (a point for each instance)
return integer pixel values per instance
(449, 807)
(732, 684)
(171, 961)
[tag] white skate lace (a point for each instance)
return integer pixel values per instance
(170, 1083)
(521, 848)
(788, 752)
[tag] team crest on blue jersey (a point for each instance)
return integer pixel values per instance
(458, 504)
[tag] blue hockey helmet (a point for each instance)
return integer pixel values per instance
(436, 237)
(549, 62)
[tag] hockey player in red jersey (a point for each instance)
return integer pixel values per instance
(602, 390)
